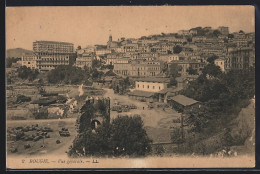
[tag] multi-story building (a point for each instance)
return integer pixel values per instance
(138, 68)
(184, 65)
(29, 60)
(84, 59)
(50, 54)
(131, 47)
(168, 57)
(239, 58)
(113, 61)
(102, 52)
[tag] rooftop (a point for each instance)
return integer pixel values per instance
(183, 100)
(56, 42)
(153, 79)
(141, 93)
(169, 90)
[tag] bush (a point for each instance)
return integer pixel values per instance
(22, 98)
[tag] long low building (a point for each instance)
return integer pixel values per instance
(181, 102)
(142, 95)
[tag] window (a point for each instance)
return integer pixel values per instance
(159, 87)
(147, 86)
(153, 87)
(143, 86)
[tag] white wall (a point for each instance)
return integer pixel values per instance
(153, 87)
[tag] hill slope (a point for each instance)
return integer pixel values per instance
(17, 52)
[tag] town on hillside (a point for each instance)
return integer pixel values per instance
(185, 93)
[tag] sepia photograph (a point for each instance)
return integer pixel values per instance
(130, 87)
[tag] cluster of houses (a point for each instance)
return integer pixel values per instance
(146, 59)
(148, 55)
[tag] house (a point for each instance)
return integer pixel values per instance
(84, 59)
(29, 60)
(181, 102)
(221, 63)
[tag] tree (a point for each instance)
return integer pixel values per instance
(177, 136)
(216, 33)
(173, 81)
(9, 61)
(212, 70)
(225, 40)
(177, 49)
(27, 73)
(33, 75)
(212, 58)
(173, 70)
(79, 47)
(192, 71)
(230, 36)
(89, 142)
(124, 136)
(110, 73)
(189, 39)
(129, 137)
(197, 118)
(96, 63)
(22, 98)
(159, 150)
(23, 72)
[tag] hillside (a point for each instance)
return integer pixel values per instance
(17, 52)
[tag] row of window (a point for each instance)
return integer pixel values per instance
(138, 86)
(56, 62)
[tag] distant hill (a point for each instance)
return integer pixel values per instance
(17, 52)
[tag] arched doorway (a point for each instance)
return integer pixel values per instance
(95, 124)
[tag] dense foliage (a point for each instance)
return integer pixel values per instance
(9, 61)
(121, 85)
(73, 75)
(177, 49)
(125, 136)
(129, 137)
(22, 98)
(27, 73)
(222, 96)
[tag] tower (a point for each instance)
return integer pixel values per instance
(110, 38)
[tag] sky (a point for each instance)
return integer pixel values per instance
(93, 25)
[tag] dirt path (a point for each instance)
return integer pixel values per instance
(156, 121)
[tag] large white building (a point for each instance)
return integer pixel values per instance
(151, 84)
(50, 54)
